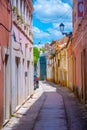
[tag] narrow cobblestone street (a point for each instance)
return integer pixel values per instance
(52, 107)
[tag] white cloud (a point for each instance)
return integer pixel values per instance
(54, 12)
(68, 25)
(54, 33)
(40, 45)
(39, 33)
(51, 10)
(51, 33)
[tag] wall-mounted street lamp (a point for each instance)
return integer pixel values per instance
(61, 27)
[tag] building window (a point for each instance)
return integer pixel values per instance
(17, 4)
(24, 6)
(21, 7)
(58, 63)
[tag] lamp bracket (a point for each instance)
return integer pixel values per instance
(67, 34)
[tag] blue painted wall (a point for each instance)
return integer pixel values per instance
(43, 73)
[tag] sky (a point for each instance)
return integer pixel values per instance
(47, 16)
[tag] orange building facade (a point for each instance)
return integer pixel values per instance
(79, 48)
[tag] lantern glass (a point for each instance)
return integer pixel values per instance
(61, 26)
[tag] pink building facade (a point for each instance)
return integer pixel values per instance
(21, 53)
(16, 56)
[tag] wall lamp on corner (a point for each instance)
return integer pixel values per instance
(61, 27)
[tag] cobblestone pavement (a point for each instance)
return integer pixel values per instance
(76, 113)
(25, 117)
(52, 107)
(52, 115)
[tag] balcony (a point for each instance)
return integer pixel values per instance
(23, 24)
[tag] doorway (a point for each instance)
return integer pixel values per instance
(83, 73)
(74, 74)
(6, 89)
(17, 81)
(28, 77)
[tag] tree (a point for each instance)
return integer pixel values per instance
(43, 50)
(36, 54)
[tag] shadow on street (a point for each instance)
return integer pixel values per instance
(55, 108)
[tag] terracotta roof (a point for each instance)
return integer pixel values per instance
(53, 42)
(57, 45)
(62, 43)
(63, 40)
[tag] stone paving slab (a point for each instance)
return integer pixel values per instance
(50, 122)
(50, 128)
(25, 117)
(52, 107)
(75, 111)
(52, 114)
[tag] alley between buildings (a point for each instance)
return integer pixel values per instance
(52, 107)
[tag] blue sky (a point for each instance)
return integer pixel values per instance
(47, 16)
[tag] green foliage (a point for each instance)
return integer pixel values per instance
(42, 50)
(36, 55)
(12, 115)
(15, 10)
(19, 17)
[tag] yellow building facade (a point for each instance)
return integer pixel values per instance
(61, 61)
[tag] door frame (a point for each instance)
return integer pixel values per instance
(6, 114)
(83, 74)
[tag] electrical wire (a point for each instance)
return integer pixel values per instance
(59, 17)
(66, 13)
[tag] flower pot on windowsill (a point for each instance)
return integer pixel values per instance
(22, 25)
(20, 20)
(15, 10)
(14, 17)
(30, 34)
(26, 29)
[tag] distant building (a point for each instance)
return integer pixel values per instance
(58, 62)
(43, 69)
(51, 63)
(38, 68)
(62, 59)
(49, 67)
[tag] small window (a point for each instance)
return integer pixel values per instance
(21, 7)
(58, 63)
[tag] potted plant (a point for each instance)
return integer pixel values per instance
(30, 33)
(15, 10)
(25, 26)
(20, 19)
